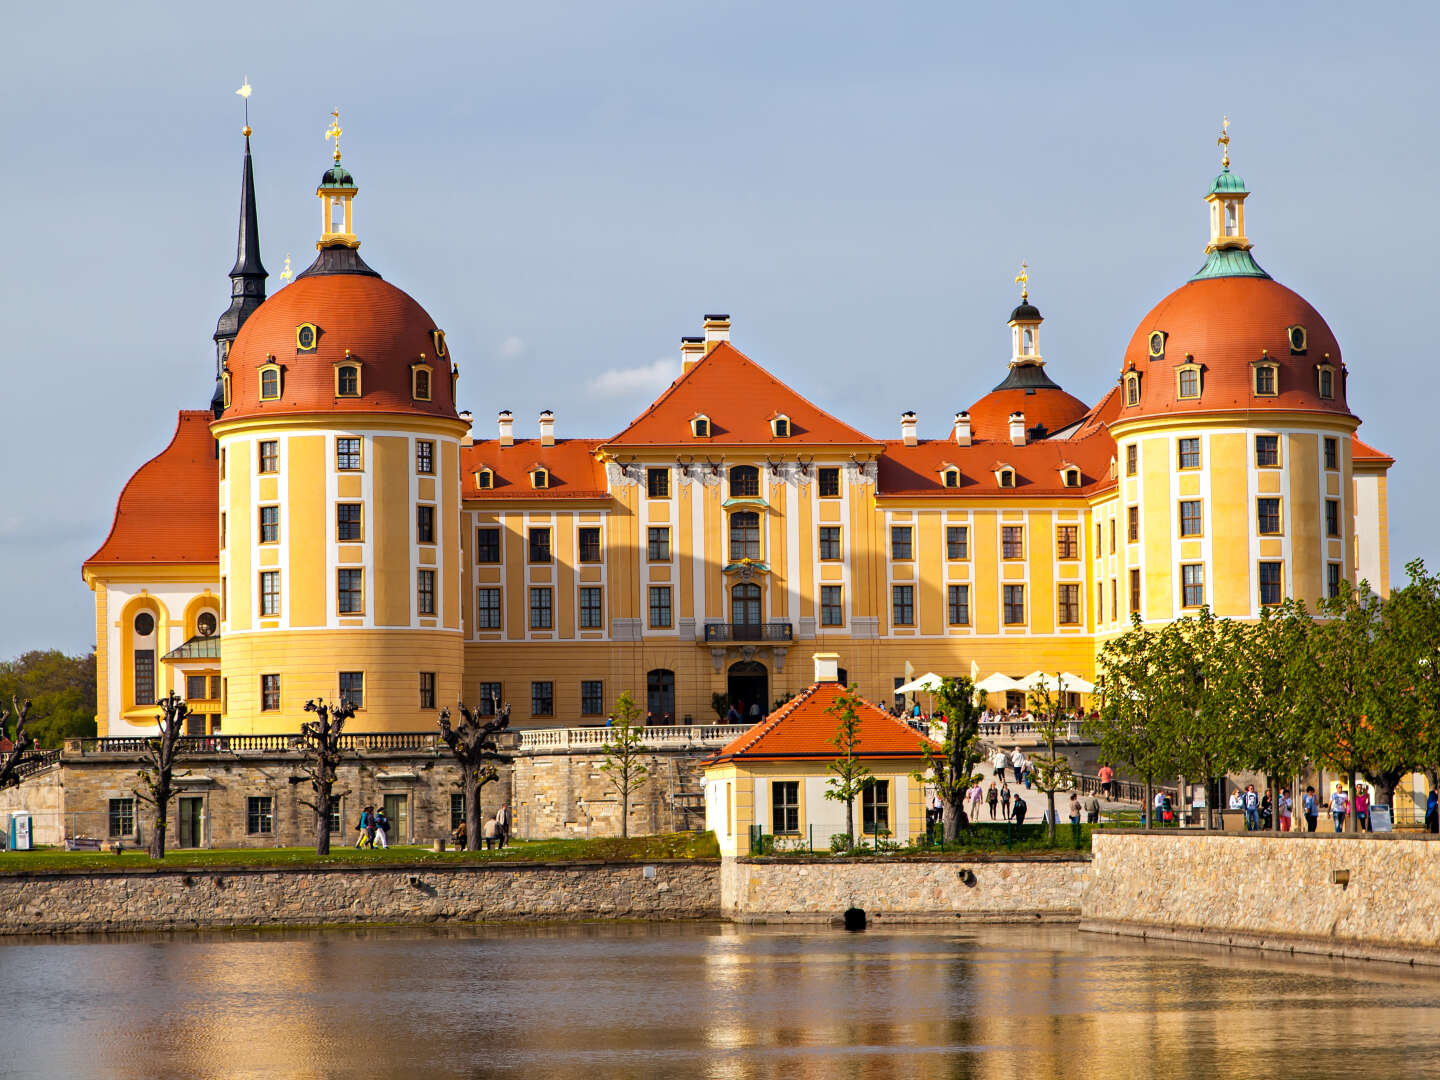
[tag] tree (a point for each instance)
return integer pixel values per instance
(1194, 699)
(1052, 770)
(623, 749)
(1412, 636)
(475, 743)
(851, 776)
(951, 769)
(19, 742)
(1127, 729)
(158, 776)
(62, 689)
(320, 747)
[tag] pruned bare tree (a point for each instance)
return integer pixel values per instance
(158, 776)
(10, 761)
(320, 745)
(476, 745)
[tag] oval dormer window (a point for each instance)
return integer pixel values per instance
(1157, 344)
(1298, 339)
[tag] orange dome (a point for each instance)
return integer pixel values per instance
(1228, 325)
(1049, 406)
(381, 327)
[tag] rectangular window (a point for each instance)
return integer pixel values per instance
(657, 543)
(1271, 591)
(903, 605)
(541, 609)
(542, 699)
(1267, 516)
(1114, 600)
(744, 536)
(592, 608)
(1134, 590)
(829, 482)
(260, 815)
(957, 605)
(122, 817)
(1332, 517)
(348, 522)
(1332, 579)
(269, 456)
(457, 810)
(1097, 539)
(1265, 380)
(224, 460)
(1014, 600)
(487, 545)
(425, 592)
(1192, 585)
(1132, 459)
(1267, 451)
(590, 544)
(352, 688)
(424, 524)
(900, 545)
(350, 592)
(659, 607)
(336, 817)
(592, 697)
(487, 609)
(270, 592)
(425, 457)
(1189, 453)
(195, 686)
(1332, 453)
(489, 698)
(785, 807)
(832, 605)
(269, 524)
(215, 684)
(1112, 536)
(657, 483)
(195, 723)
(829, 541)
(957, 541)
(539, 544)
(427, 689)
(1067, 599)
(269, 692)
(875, 808)
(1067, 541)
(1012, 541)
(1132, 523)
(223, 519)
(1190, 517)
(347, 454)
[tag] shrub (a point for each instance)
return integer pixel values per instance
(840, 843)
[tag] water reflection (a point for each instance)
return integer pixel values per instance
(714, 1001)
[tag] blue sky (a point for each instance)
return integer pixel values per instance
(566, 188)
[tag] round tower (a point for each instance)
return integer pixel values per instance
(339, 497)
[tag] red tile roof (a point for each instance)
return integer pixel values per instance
(169, 511)
(1047, 405)
(1361, 451)
(802, 728)
(914, 471)
(574, 471)
(740, 398)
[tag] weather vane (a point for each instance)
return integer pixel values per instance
(287, 273)
(244, 92)
(1023, 280)
(1224, 140)
(333, 132)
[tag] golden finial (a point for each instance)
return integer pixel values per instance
(1224, 140)
(244, 92)
(287, 273)
(333, 132)
(1023, 280)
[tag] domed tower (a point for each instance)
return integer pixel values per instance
(339, 497)
(1233, 441)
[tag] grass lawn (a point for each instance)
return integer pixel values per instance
(638, 848)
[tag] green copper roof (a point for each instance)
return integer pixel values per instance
(1229, 262)
(1228, 183)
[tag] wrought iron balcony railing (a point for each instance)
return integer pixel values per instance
(770, 631)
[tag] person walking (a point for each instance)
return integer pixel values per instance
(1312, 809)
(1362, 808)
(1004, 799)
(1107, 781)
(1075, 809)
(370, 826)
(489, 832)
(976, 797)
(1251, 802)
(1017, 763)
(502, 823)
(1018, 809)
(365, 837)
(1092, 809)
(992, 796)
(997, 762)
(382, 829)
(1287, 804)
(1432, 812)
(1339, 806)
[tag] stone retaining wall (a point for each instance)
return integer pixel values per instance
(1271, 892)
(901, 889)
(93, 902)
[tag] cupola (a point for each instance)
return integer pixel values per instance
(1025, 323)
(1228, 253)
(337, 190)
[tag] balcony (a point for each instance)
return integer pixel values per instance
(770, 631)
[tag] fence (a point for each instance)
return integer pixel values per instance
(267, 744)
(668, 737)
(1010, 731)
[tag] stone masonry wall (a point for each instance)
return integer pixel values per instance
(53, 903)
(902, 889)
(566, 794)
(1270, 892)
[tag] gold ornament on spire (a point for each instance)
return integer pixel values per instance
(244, 92)
(1224, 140)
(334, 132)
(287, 274)
(1023, 280)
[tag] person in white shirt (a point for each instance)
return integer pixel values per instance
(1017, 763)
(998, 763)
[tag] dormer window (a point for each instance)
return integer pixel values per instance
(700, 427)
(484, 479)
(438, 337)
(420, 382)
(540, 477)
(1157, 344)
(780, 426)
(1070, 477)
(1325, 378)
(1132, 388)
(225, 389)
(271, 382)
(1297, 337)
(1267, 379)
(1187, 380)
(347, 380)
(307, 337)
(951, 478)
(1005, 476)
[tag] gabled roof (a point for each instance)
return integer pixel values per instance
(914, 471)
(574, 471)
(1361, 452)
(802, 728)
(740, 398)
(169, 511)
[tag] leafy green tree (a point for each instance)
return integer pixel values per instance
(1194, 714)
(951, 769)
(1052, 769)
(1127, 730)
(624, 749)
(1412, 635)
(62, 689)
(851, 776)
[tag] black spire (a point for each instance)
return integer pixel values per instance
(247, 279)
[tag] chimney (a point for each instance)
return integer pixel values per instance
(907, 428)
(827, 666)
(507, 428)
(717, 329)
(1017, 429)
(469, 419)
(691, 350)
(547, 428)
(962, 429)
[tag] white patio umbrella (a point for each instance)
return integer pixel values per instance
(929, 682)
(1074, 684)
(998, 684)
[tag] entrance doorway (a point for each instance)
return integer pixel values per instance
(397, 809)
(749, 686)
(192, 821)
(660, 697)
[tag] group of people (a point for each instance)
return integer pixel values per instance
(373, 828)
(494, 832)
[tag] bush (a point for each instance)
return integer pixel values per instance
(840, 843)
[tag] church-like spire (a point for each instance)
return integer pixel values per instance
(247, 278)
(1228, 253)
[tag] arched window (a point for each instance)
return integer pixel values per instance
(347, 381)
(700, 427)
(1265, 382)
(1029, 339)
(744, 535)
(540, 478)
(1232, 226)
(745, 605)
(269, 383)
(484, 479)
(144, 640)
(780, 426)
(1132, 389)
(660, 696)
(744, 481)
(421, 389)
(952, 478)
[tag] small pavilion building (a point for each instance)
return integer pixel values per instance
(772, 779)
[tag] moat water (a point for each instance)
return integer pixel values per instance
(700, 1001)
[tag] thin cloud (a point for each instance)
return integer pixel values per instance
(513, 348)
(649, 378)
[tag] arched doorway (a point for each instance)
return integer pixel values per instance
(660, 697)
(745, 612)
(750, 686)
